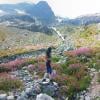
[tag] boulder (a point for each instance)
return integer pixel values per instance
(47, 81)
(28, 90)
(87, 98)
(37, 88)
(43, 97)
(11, 97)
(23, 96)
(3, 96)
(93, 70)
(50, 88)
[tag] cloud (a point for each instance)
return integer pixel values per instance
(73, 8)
(15, 1)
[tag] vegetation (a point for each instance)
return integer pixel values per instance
(99, 77)
(73, 75)
(18, 41)
(8, 83)
(55, 59)
(88, 36)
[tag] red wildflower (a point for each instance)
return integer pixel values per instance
(77, 65)
(80, 51)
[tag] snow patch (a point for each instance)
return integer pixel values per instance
(20, 11)
(6, 23)
(2, 12)
(59, 20)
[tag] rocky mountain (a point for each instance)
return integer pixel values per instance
(33, 17)
(83, 20)
(41, 11)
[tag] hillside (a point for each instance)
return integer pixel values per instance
(68, 70)
(83, 35)
(75, 60)
(17, 39)
(75, 63)
(83, 20)
(40, 11)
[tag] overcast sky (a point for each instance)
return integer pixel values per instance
(68, 8)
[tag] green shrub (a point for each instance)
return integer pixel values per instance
(64, 68)
(26, 63)
(61, 79)
(94, 64)
(73, 87)
(99, 77)
(99, 80)
(83, 58)
(3, 69)
(72, 71)
(9, 84)
(32, 61)
(55, 58)
(84, 83)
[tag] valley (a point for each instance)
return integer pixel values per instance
(26, 31)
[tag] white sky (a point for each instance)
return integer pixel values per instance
(68, 8)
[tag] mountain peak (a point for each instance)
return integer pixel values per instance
(42, 2)
(25, 3)
(41, 10)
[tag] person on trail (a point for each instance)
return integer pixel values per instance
(48, 63)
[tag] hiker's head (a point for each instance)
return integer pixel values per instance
(49, 50)
(49, 61)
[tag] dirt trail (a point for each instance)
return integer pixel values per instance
(94, 90)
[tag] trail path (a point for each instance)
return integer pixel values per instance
(94, 89)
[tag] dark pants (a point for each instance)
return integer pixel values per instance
(49, 69)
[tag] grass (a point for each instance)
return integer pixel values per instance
(73, 74)
(99, 77)
(87, 37)
(3, 69)
(15, 41)
(84, 83)
(8, 83)
(55, 58)
(75, 78)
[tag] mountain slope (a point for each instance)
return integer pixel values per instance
(41, 11)
(11, 37)
(84, 20)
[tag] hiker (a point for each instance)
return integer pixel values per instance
(48, 63)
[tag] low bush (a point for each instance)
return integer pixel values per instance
(8, 83)
(80, 51)
(73, 87)
(71, 68)
(73, 76)
(57, 67)
(84, 83)
(16, 64)
(3, 69)
(55, 59)
(99, 77)
(94, 64)
(61, 79)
